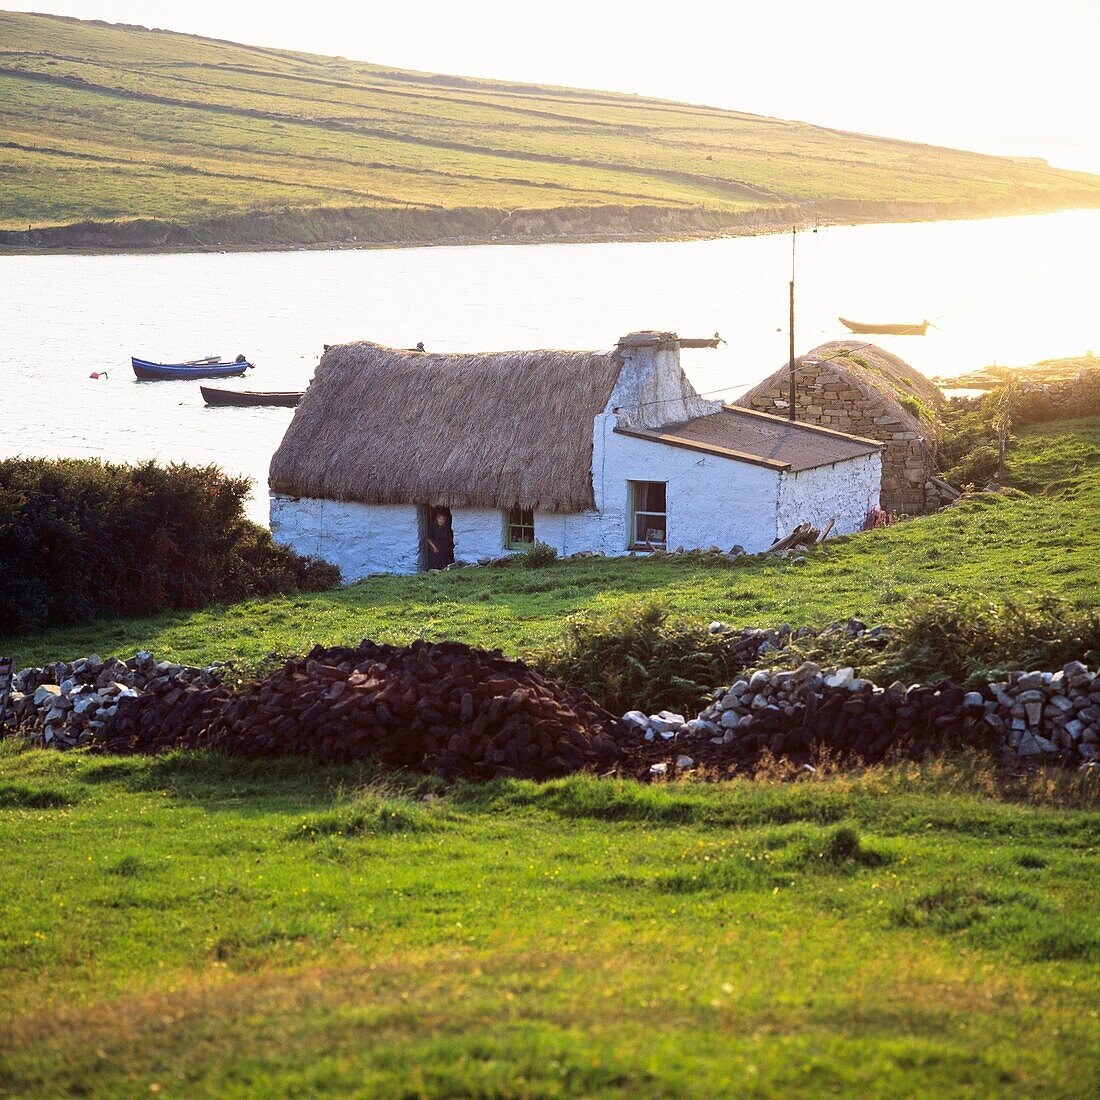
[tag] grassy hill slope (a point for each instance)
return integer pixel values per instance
(158, 138)
(196, 925)
(989, 547)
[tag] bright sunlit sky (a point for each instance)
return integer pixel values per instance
(1011, 76)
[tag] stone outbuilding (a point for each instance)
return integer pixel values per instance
(397, 461)
(854, 387)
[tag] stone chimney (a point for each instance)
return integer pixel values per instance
(652, 388)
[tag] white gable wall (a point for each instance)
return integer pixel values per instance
(360, 538)
(710, 500)
(846, 490)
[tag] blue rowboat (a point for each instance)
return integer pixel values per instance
(203, 368)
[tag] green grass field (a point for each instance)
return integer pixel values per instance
(239, 145)
(195, 926)
(1024, 544)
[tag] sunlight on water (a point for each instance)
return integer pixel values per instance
(1009, 290)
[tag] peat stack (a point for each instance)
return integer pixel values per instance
(446, 708)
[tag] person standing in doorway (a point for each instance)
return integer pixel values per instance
(439, 546)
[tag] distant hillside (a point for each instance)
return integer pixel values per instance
(117, 136)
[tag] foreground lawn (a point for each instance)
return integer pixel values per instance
(1017, 545)
(195, 926)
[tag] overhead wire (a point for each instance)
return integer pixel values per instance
(846, 351)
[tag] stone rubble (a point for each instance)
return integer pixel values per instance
(453, 709)
(1036, 714)
(66, 704)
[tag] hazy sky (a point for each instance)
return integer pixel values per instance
(995, 75)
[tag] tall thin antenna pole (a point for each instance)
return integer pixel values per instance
(791, 367)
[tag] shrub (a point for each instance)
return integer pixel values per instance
(964, 429)
(958, 638)
(636, 656)
(976, 468)
(538, 554)
(913, 404)
(961, 637)
(81, 538)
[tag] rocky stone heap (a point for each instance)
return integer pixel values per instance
(459, 711)
(446, 708)
(1029, 714)
(67, 704)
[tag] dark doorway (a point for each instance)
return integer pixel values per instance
(438, 547)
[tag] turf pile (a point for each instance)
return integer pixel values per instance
(446, 708)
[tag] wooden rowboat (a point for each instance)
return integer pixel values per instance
(885, 330)
(201, 368)
(287, 398)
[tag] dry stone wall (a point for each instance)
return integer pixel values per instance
(66, 704)
(457, 711)
(1037, 715)
(825, 397)
(1048, 400)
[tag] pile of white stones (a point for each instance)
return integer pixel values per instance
(1045, 712)
(67, 704)
(1028, 714)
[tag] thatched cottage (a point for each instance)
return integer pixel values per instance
(400, 460)
(855, 387)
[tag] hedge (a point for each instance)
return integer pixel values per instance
(81, 538)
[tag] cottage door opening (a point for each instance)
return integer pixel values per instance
(438, 546)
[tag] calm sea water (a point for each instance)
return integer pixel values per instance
(1009, 291)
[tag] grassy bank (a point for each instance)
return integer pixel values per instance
(122, 137)
(203, 927)
(1013, 545)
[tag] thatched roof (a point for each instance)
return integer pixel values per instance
(495, 430)
(881, 376)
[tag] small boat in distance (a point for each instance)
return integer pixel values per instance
(211, 367)
(288, 399)
(885, 330)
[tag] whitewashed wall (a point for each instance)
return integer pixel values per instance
(569, 534)
(652, 389)
(360, 538)
(711, 500)
(479, 533)
(846, 490)
(377, 538)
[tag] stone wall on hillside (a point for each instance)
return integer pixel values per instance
(460, 711)
(1049, 400)
(825, 397)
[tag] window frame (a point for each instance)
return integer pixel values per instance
(635, 512)
(509, 525)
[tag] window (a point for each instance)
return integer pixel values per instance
(648, 517)
(519, 531)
